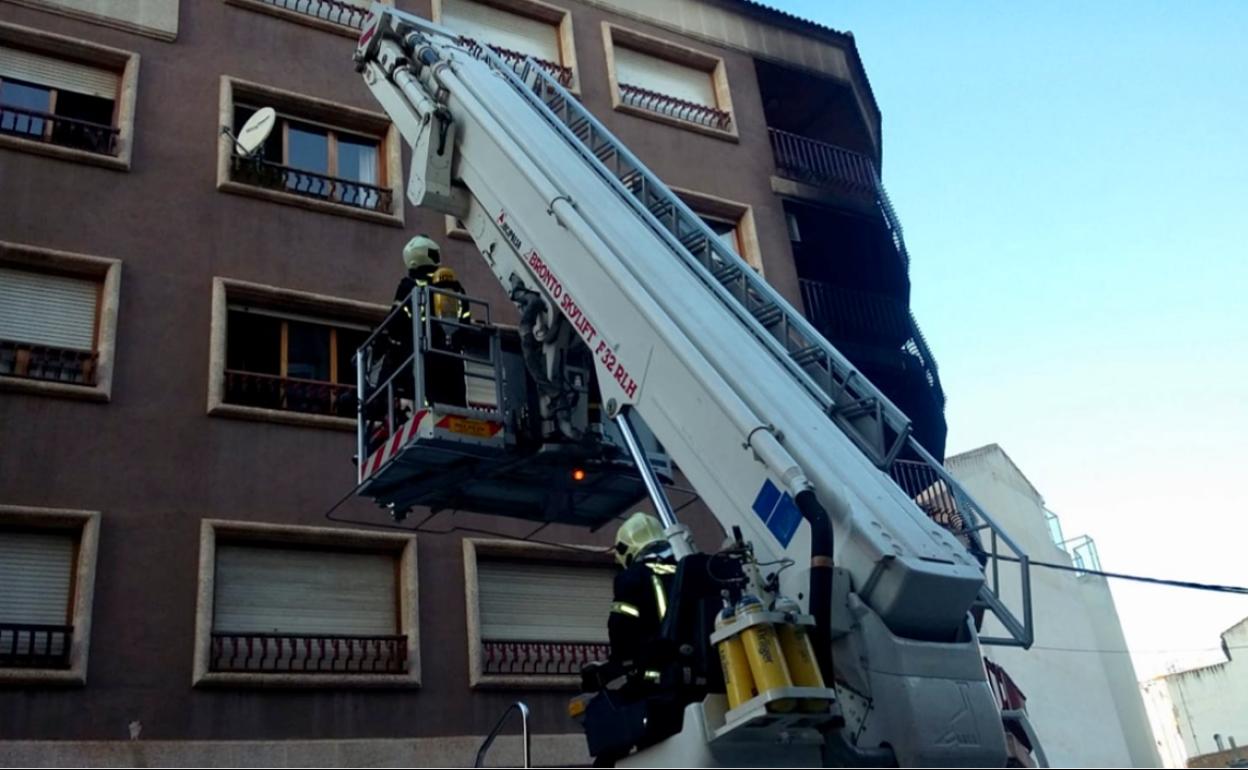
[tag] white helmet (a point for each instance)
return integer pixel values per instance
(421, 251)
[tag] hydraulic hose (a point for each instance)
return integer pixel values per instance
(820, 577)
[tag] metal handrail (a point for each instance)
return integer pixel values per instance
(309, 184)
(100, 138)
(521, 707)
(334, 11)
(682, 109)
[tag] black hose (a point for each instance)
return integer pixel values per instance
(820, 577)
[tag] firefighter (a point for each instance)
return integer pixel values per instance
(633, 710)
(444, 374)
(641, 591)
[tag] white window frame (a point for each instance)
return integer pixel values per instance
(476, 549)
(279, 535)
(124, 63)
(558, 17)
(105, 271)
(332, 115)
(331, 310)
(87, 526)
(713, 66)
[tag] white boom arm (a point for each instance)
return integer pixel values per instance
(745, 432)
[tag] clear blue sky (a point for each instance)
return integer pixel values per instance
(1073, 180)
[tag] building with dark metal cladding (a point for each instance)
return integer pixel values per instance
(176, 330)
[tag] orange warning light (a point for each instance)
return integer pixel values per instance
(578, 474)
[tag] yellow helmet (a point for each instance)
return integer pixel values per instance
(637, 532)
(420, 251)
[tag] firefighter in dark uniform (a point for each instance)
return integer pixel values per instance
(641, 590)
(635, 713)
(444, 374)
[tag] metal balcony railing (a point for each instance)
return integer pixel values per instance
(841, 313)
(540, 658)
(50, 364)
(289, 393)
(46, 127)
(561, 73)
(308, 653)
(274, 176)
(337, 11)
(35, 645)
(810, 160)
(805, 159)
(675, 107)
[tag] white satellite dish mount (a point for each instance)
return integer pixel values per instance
(252, 136)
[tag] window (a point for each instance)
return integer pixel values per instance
(733, 222)
(58, 321)
(536, 614)
(47, 568)
(656, 79)
(66, 98)
(515, 29)
(319, 155)
(286, 356)
(154, 18)
(343, 16)
(284, 362)
(305, 606)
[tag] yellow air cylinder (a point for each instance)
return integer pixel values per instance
(799, 654)
(762, 649)
(738, 681)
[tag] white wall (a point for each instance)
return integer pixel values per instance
(1213, 699)
(1085, 706)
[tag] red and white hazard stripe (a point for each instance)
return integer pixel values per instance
(394, 443)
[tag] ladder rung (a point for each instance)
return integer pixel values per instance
(767, 314)
(808, 355)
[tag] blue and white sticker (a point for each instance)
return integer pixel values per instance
(778, 512)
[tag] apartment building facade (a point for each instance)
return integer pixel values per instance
(176, 331)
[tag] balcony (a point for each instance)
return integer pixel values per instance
(516, 59)
(32, 645)
(60, 131)
(841, 314)
(49, 364)
(309, 184)
(673, 107)
(289, 394)
(540, 658)
(346, 14)
(308, 653)
(809, 160)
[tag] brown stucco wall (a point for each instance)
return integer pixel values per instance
(155, 464)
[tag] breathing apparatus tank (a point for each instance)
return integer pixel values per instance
(799, 654)
(762, 649)
(738, 679)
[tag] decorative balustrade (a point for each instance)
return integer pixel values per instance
(675, 107)
(540, 658)
(51, 364)
(308, 653)
(35, 645)
(289, 393)
(46, 127)
(274, 176)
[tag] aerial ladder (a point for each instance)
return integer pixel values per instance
(647, 347)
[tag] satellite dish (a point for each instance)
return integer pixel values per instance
(256, 130)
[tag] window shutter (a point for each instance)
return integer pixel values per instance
(639, 69)
(36, 570)
(58, 73)
(535, 601)
(494, 26)
(268, 589)
(53, 310)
